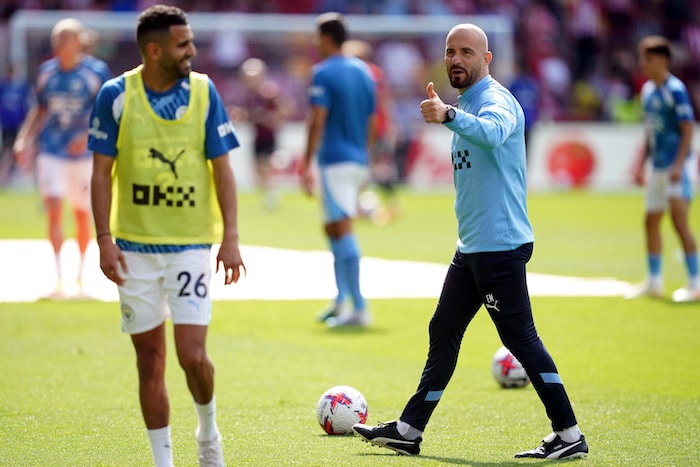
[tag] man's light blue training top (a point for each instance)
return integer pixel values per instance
(488, 157)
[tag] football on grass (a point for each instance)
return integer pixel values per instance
(340, 408)
(507, 370)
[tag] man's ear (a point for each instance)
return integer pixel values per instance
(153, 50)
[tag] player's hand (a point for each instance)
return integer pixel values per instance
(112, 260)
(638, 175)
(432, 108)
(307, 180)
(22, 151)
(675, 173)
(78, 145)
(230, 257)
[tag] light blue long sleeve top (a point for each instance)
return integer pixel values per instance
(488, 157)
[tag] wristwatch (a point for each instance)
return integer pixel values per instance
(450, 114)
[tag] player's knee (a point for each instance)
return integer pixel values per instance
(194, 360)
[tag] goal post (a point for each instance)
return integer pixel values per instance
(30, 31)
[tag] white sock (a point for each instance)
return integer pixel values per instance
(81, 266)
(206, 415)
(570, 435)
(407, 431)
(656, 280)
(161, 446)
(59, 273)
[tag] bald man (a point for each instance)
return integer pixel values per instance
(57, 127)
(495, 242)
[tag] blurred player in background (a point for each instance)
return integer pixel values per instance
(265, 109)
(382, 160)
(162, 182)
(495, 242)
(15, 102)
(66, 87)
(669, 124)
(341, 127)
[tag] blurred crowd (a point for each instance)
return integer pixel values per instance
(574, 59)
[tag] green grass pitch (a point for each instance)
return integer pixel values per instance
(68, 389)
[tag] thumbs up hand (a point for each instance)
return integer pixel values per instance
(432, 108)
(430, 89)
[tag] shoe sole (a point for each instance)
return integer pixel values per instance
(333, 323)
(578, 455)
(374, 442)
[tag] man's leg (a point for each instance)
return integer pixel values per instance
(83, 234)
(656, 204)
(332, 232)
(459, 302)
(340, 190)
(78, 175)
(502, 281)
(54, 214)
(679, 215)
(190, 342)
(652, 234)
(153, 395)
(346, 252)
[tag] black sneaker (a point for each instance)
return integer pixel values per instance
(387, 436)
(553, 447)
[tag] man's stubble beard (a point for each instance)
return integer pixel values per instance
(470, 77)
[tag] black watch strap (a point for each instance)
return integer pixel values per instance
(450, 114)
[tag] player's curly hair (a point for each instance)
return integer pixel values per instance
(154, 23)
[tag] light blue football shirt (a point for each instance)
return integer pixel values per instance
(488, 157)
(665, 106)
(344, 86)
(68, 97)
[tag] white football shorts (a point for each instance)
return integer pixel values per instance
(660, 189)
(341, 185)
(65, 179)
(163, 285)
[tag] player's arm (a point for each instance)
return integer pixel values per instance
(686, 133)
(220, 139)
(638, 171)
(489, 129)
(229, 253)
(316, 122)
(28, 132)
(111, 257)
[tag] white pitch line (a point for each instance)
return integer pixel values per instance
(27, 273)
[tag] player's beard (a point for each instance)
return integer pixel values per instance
(465, 79)
(182, 69)
(177, 69)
